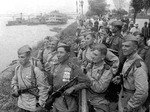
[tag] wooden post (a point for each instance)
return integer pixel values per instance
(84, 106)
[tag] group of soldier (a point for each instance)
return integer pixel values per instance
(111, 67)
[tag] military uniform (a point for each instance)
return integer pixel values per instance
(110, 57)
(42, 57)
(115, 43)
(62, 74)
(135, 85)
(100, 77)
(23, 79)
(142, 51)
(52, 58)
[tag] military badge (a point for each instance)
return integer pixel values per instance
(66, 75)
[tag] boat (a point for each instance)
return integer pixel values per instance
(56, 18)
(38, 20)
(17, 21)
(56, 29)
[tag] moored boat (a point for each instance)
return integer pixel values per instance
(56, 18)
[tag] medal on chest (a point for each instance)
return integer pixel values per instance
(66, 74)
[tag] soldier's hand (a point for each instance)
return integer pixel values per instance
(116, 80)
(15, 93)
(69, 91)
(83, 79)
(127, 109)
(40, 109)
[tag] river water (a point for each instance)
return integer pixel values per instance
(13, 37)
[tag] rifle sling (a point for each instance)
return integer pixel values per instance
(129, 69)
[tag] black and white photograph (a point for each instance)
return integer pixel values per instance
(75, 56)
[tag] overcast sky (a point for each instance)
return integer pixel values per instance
(40, 6)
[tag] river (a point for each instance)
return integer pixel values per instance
(13, 37)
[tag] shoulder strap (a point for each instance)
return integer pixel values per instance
(106, 67)
(50, 59)
(33, 76)
(42, 56)
(129, 69)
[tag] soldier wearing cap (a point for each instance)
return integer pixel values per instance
(142, 50)
(111, 58)
(64, 71)
(135, 80)
(52, 58)
(116, 40)
(44, 55)
(26, 76)
(99, 76)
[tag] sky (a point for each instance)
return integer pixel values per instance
(41, 6)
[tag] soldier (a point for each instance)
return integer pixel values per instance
(116, 40)
(43, 53)
(99, 75)
(142, 48)
(63, 72)
(111, 58)
(26, 76)
(116, 43)
(135, 80)
(125, 30)
(52, 57)
(82, 48)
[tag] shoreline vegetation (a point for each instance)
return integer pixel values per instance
(7, 102)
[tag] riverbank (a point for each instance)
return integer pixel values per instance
(7, 102)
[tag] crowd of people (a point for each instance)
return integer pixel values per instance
(110, 61)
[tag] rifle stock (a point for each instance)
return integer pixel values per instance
(57, 94)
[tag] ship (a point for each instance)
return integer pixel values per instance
(56, 18)
(17, 21)
(38, 20)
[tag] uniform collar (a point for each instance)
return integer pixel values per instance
(132, 57)
(64, 62)
(26, 66)
(98, 65)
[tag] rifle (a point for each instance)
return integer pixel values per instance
(26, 90)
(58, 93)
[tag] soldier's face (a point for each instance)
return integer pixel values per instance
(89, 39)
(53, 45)
(62, 55)
(23, 58)
(97, 56)
(46, 43)
(113, 29)
(82, 44)
(128, 48)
